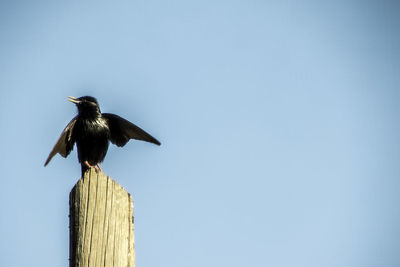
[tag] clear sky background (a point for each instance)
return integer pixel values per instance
(279, 123)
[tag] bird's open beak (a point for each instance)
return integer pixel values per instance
(73, 100)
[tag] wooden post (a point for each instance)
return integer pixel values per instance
(101, 223)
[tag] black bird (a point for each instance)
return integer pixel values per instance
(91, 130)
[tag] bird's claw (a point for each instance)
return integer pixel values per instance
(96, 167)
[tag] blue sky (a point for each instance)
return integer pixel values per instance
(279, 123)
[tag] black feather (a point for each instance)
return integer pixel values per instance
(65, 142)
(91, 130)
(121, 131)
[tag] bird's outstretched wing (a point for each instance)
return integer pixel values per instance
(65, 143)
(122, 130)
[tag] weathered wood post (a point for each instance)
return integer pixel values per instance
(101, 223)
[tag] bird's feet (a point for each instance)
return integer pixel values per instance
(96, 167)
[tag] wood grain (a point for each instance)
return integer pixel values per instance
(101, 223)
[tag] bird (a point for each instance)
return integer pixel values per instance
(92, 131)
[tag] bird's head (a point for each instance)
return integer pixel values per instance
(87, 105)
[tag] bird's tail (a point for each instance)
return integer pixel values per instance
(84, 168)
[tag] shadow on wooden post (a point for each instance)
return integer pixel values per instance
(101, 223)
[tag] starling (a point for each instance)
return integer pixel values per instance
(91, 130)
